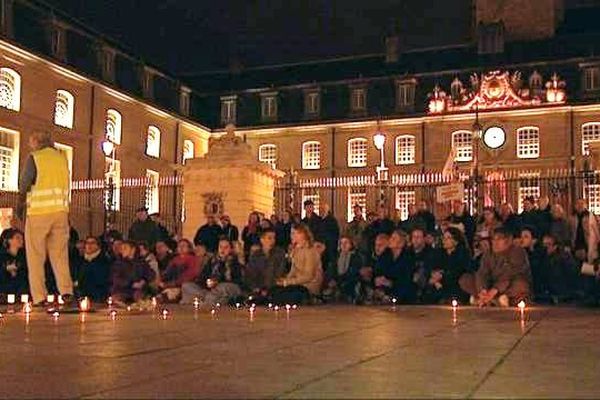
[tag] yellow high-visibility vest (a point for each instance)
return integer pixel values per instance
(50, 194)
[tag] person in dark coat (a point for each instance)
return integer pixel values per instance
(346, 274)
(164, 255)
(559, 276)
(509, 220)
(94, 272)
(383, 223)
(130, 276)
(425, 217)
(460, 216)
(331, 235)
(13, 265)
(265, 266)
(392, 271)
(313, 221)
(283, 231)
(163, 232)
(209, 234)
(251, 233)
(529, 240)
(530, 216)
(230, 231)
(144, 229)
(422, 260)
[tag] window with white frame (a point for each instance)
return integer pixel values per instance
(64, 109)
(405, 150)
(10, 89)
(591, 78)
(269, 106)
(529, 185)
(68, 152)
(152, 192)
(267, 153)
(357, 152)
(592, 194)
(528, 142)
(153, 141)
(356, 196)
(405, 97)
(113, 126)
(358, 99)
(462, 143)
(311, 155)
(312, 103)
(590, 133)
(9, 159)
(228, 109)
(312, 195)
(404, 198)
(188, 150)
(113, 178)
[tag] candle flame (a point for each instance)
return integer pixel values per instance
(521, 305)
(84, 304)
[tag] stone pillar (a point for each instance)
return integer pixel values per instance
(7, 18)
(227, 180)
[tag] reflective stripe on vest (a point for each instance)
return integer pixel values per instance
(50, 194)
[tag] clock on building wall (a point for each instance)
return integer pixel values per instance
(494, 137)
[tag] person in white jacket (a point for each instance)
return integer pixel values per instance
(585, 233)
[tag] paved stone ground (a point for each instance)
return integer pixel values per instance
(319, 352)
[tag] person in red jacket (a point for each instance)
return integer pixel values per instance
(184, 267)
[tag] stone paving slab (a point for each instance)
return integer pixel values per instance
(318, 352)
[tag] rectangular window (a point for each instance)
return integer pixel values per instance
(9, 159)
(462, 143)
(590, 133)
(591, 79)
(113, 184)
(592, 194)
(228, 109)
(406, 95)
(267, 153)
(311, 155)
(152, 192)
(269, 107)
(312, 103)
(188, 150)
(528, 143)
(358, 99)
(405, 150)
(357, 152)
(404, 198)
(356, 196)
(529, 185)
(310, 195)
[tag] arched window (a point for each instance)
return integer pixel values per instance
(267, 153)
(64, 109)
(311, 155)
(405, 150)
(10, 89)
(528, 142)
(357, 152)
(590, 132)
(113, 126)
(188, 150)
(153, 142)
(152, 191)
(462, 144)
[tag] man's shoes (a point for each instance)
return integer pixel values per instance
(503, 301)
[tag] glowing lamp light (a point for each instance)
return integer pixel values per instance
(454, 303)
(379, 140)
(84, 305)
(108, 147)
(24, 298)
(521, 305)
(11, 298)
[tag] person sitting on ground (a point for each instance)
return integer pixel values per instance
(481, 245)
(143, 228)
(130, 276)
(345, 277)
(504, 276)
(13, 265)
(365, 289)
(560, 272)
(453, 261)
(306, 275)
(265, 266)
(421, 261)
(114, 250)
(164, 255)
(209, 234)
(220, 280)
(536, 256)
(393, 276)
(149, 257)
(94, 272)
(183, 268)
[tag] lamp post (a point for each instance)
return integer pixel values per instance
(477, 134)
(108, 149)
(382, 171)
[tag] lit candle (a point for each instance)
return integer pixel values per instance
(288, 307)
(521, 305)
(55, 314)
(276, 308)
(24, 298)
(128, 308)
(454, 303)
(294, 307)
(270, 305)
(196, 303)
(50, 298)
(110, 301)
(213, 311)
(11, 298)
(60, 300)
(27, 308)
(165, 313)
(394, 300)
(113, 314)
(218, 305)
(237, 305)
(154, 302)
(84, 304)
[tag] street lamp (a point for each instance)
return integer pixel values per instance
(477, 135)
(108, 149)
(382, 171)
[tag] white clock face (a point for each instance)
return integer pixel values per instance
(494, 137)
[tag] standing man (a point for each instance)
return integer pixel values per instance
(44, 186)
(143, 229)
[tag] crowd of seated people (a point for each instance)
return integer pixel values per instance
(498, 258)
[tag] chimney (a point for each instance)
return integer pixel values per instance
(147, 81)
(7, 18)
(106, 62)
(184, 100)
(56, 32)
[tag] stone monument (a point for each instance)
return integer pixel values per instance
(228, 179)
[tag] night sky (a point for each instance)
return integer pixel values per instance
(185, 36)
